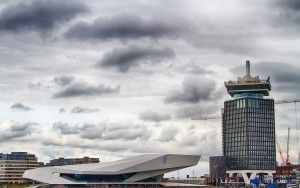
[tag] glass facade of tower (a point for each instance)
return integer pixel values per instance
(249, 132)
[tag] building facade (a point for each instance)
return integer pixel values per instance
(13, 166)
(217, 169)
(249, 125)
(72, 161)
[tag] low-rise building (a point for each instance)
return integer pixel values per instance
(217, 169)
(13, 166)
(72, 161)
(287, 170)
(188, 180)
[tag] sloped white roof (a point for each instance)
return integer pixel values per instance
(144, 166)
(109, 167)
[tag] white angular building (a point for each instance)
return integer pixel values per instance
(142, 170)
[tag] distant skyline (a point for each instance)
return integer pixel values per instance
(112, 79)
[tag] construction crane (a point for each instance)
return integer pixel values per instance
(279, 149)
(287, 160)
(286, 101)
(296, 124)
(288, 148)
(215, 117)
(206, 118)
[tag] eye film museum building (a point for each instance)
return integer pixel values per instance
(140, 171)
(248, 126)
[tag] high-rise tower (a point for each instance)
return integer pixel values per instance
(249, 126)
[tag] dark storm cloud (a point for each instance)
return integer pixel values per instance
(287, 15)
(137, 132)
(40, 15)
(98, 146)
(114, 132)
(154, 116)
(200, 33)
(122, 27)
(20, 107)
(122, 59)
(280, 72)
(193, 68)
(84, 89)
(290, 4)
(197, 110)
(191, 140)
(78, 109)
(64, 80)
(167, 134)
(92, 131)
(104, 131)
(62, 110)
(194, 89)
(65, 128)
(40, 85)
(285, 77)
(228, 42)
(16, 131)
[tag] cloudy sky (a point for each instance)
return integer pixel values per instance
(111, 79)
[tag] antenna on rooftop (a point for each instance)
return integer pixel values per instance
(247, 67)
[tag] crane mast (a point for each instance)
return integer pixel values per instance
(279, 150)
(288, 148)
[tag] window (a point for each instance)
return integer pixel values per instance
(98, 177)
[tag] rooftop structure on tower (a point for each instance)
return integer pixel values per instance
(248, 84)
